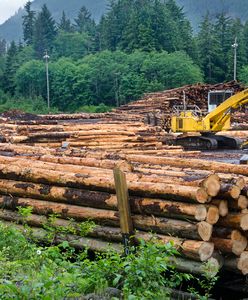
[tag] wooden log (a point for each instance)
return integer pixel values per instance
(212, 215)
(190, 266)
(236, 244)
(245, 191)
(158, 207)
(201, 231)
(222, 206)
(235, 221)
(192, 163)
(168, 191)
(243, 263)
(229, 191)
(196, 250)
(211, 183)
(73, 240)
(239, 204)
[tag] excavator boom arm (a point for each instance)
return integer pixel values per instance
(218, 116)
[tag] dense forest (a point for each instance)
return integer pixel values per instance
(138, 46)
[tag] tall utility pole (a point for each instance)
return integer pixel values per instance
(46, 57)
(235, 46)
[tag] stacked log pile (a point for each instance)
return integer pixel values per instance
(185, 201)
(114, 136)
(156, 108)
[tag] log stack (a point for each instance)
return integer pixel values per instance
(156, 108)
(198, 205)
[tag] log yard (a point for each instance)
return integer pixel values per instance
(196, 199)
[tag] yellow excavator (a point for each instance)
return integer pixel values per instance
(189, 120)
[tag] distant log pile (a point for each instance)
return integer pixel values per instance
(112, 136)
(156, 108)
(200, 206)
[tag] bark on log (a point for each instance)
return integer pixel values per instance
(235, 221)
(196, 250)
(200, 231)
(159, 207)
(192, 163)
(167, 191)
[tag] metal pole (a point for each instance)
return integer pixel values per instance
(235, 46)
(46, 57)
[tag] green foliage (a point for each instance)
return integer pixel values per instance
(244, 75)
(36, 105)
(206, 283)
(50, 273)
(44, 32)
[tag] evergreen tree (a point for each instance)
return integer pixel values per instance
(11, 67)
(208, 50)
(65, 24)
(245, 39)
(44, 32)
(84, 22)
(28, 24)
(3, 46)
(224, 41)
(237, 32)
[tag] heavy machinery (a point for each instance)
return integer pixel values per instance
(190, 119)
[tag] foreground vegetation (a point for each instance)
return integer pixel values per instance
(31, 270)
(137, 47)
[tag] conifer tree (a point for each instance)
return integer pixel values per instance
(28, 24)
(44, 32)
(84, 22)
(65, 24)
(11, 67)
(208, 50)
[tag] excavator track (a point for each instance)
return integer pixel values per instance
(197, 143)
(208, 142)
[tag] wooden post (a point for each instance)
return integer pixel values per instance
(126, 223)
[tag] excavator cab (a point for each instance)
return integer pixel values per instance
(199, 129)
(215, 98)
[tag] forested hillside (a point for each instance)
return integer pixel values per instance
(12, 28)
(133, 49)
(194, 10)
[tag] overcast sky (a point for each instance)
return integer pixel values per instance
(9, 7)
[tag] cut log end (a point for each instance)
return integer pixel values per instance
(206, 250)
(202, 195)
(213, 215)
(242, 202)
(243, 263)
(244, 222)
(212, 185)
(205, 230)
(201, 213)
(239, 242)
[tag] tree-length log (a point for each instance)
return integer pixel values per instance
(196, 250)
(200, 231)
(167, 191)
(103, 200)
(210, 183)
(237, 244)
(74, 240)
(192, 163)
(189, 266)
